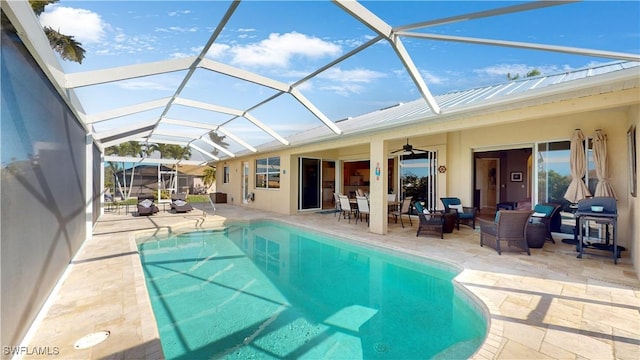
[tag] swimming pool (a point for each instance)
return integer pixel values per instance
(268, 290)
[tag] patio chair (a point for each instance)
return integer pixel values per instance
(146, 205)
(363, 208)
(545, 213)
(336, 203)
(345, 207)
(179, 203)
(391, 198)
(429, 222)
(405, 209)
(465, 214)
(508, 226)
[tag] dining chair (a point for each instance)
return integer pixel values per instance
(345, 207)
(363, 208)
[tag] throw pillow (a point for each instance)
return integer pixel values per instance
(456, 207)
(146, 203)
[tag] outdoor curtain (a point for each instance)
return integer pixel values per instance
(604, 187)
(577, 189)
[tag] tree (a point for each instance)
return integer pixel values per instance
(170, 151)
(217, 139)
(65, 45)
(209, 176)
(532, 73)
(114, 167)
(132, 148)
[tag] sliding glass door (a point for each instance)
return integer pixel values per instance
(310, 184)
(554, 175)
(418, 175)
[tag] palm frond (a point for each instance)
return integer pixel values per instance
(65, 45)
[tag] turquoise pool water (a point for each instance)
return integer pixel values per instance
(271, 291)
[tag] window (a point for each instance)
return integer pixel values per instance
(226, 174)
(268, 173)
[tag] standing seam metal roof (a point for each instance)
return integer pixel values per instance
(418, 110)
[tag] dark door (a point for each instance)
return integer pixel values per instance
(310, 183)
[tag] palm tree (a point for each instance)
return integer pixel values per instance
(179, 152)
(162, 149)
(133, 148)
(114, 166)
(65, 45)
(217, 139)
(209, 176)
(170, 151)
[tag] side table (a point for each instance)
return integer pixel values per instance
(449, 222)
(536, 234)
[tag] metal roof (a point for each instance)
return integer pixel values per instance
(163, 127)
(492, 96)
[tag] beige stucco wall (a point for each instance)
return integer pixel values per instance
(612, 122)
(634, 202)
(455, 141)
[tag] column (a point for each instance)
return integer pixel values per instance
(378, 187)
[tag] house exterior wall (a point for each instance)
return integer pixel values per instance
(612, 122)
(455, 140)
(634, 202)
(44, 188)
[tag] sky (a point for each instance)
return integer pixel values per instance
(287, 40)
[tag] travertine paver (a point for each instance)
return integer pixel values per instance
(547, 305)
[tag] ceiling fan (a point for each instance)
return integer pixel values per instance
(409, 150)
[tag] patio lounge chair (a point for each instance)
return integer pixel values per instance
(465, 214)
(146, 206)
(179, 203)
(509, 226)
(429, 222)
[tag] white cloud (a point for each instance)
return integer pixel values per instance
(84, 25)
(279, 49)
(344, 89)
(145, 85)
(501, 70)
(351, 76)
(346, 82)
(179, 12)
(431, 78)
(179, 55)
(177, 29)
(216, 51)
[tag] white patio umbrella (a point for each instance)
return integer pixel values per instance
(577, 189)
(604, 187)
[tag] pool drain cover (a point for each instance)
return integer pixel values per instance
(91, 340)
(380, 347)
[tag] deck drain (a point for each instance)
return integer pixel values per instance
(380, 347)
(91, 340)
